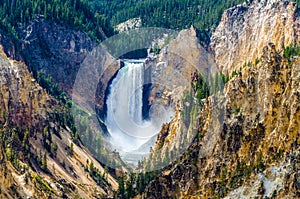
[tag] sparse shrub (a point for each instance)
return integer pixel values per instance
(256, 61)
(233, 74)
(291, 51)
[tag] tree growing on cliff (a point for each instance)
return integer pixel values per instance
(44, 162)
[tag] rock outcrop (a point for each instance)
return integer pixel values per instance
(246, 28)
(170, 72)
(129, 25)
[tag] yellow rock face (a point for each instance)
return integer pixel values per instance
(25, 104)
(245, 29)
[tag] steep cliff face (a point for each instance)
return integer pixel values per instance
(38, 156)
(60, 52)
(171, 71)
(56, 50)
(20, 95)
(248, 138)
(170, 74)
(246, 28)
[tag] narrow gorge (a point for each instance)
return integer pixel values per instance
(211, 111)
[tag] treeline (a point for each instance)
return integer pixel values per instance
(173, 14)
(77, 14)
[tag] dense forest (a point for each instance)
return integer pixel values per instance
(98, 17)
(77, 14)
(174, 14)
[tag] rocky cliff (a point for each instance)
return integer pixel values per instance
(246, 143)
(246, 28)
(171, 70)
(39, 159)
(247, 140)
(55, 50)
(59, 52)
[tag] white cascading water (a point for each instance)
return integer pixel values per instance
(124, 109)
(134, 82)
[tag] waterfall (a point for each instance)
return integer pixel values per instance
(130, 135)
(124, 108)
(134, 82)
